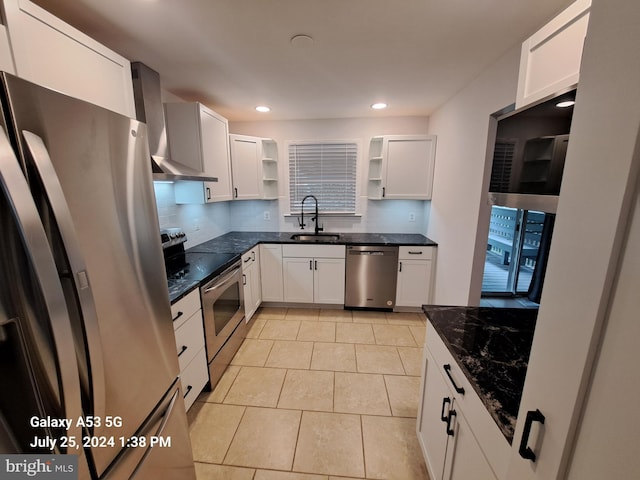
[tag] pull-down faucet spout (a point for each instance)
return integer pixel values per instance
(315, 218)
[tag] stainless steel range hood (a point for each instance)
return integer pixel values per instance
(148, 100)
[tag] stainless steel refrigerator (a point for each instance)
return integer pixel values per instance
(85, 323)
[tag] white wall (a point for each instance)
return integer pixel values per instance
(375, 216)
(459, 216)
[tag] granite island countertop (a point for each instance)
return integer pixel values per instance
(210, 258)
(491, 346)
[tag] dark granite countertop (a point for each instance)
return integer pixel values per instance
(212, 257)
(240, 242)
(491, 346)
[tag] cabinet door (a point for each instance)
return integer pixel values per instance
(215, 153)
(247, 287)
(414, 283)
(51, 53)
(409, 163)
(255, 286)
(464, 459)
(246, 170)
(298, 279)
(328, 282)
(271, 273)
(435, 403)
(551, 58)
(251, 280)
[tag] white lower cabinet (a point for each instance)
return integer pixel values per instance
(313, 274)
(251, 282)
(415, 269)
(465, 458)
(190, 347)
(457, 435)
(271, 272)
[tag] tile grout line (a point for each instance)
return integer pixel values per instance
(364, 457)
(235, 432)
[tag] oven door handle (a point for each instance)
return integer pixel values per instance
(219, 283)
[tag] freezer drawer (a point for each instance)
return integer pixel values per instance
(161, 448)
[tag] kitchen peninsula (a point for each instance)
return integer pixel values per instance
(476, 362)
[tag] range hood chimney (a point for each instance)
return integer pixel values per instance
(148, 100)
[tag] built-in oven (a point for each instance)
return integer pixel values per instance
(224, 326)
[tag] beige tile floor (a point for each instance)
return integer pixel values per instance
(315, 395)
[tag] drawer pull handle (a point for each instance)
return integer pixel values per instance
(183, 349)
(415, 253)
(525, 451)
(447, 370)
(189, 388)
(178, 316)
(452, 413)
(445, 400)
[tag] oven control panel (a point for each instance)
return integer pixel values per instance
(172, 236)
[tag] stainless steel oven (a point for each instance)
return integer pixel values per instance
(224, 325)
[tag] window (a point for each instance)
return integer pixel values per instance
(326, 170)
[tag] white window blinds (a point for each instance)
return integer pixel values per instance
(325, 170)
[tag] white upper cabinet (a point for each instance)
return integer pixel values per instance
(550, 60)
(401, 167)
(254, 163)
(51, 53)
(199, 138)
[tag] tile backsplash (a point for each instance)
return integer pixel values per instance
(200, 222)
(204, 222)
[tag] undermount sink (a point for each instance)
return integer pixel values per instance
(316, 238)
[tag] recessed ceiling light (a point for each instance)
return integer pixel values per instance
(263, 108)
(379, 106)
(565, 103)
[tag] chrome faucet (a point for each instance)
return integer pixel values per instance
(315, 219)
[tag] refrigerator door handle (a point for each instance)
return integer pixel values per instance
(80, 278)
(13, 182)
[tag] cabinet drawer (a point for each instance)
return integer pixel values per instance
(494, 445)
(189, 339)
(315, 251)
(194, 378)
(185, 307)
(415, 253)
(249, 258)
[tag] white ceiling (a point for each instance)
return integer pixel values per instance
(235, 54)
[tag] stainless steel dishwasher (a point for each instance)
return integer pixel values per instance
(371, 276)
